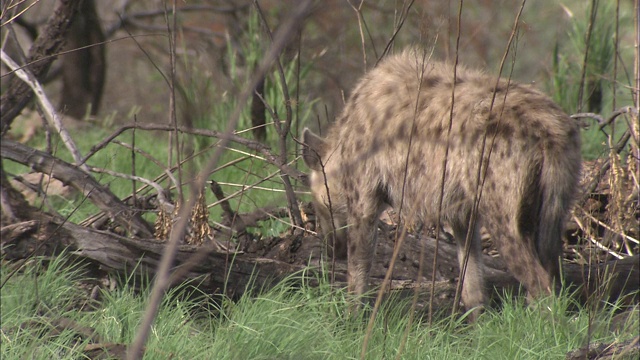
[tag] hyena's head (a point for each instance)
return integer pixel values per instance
(326, 201)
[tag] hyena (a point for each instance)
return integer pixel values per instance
(387, 148)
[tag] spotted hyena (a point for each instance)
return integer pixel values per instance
(387, 148)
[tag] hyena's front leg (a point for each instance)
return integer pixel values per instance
(361, 243)
(473, 287)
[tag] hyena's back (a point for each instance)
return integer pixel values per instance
(391, 140)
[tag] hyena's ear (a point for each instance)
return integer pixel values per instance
(312, 150)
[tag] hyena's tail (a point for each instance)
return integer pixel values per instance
(558, 180)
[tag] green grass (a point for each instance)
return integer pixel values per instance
(37, 291)
(293, 320)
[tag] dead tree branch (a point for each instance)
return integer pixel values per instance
(50, 113)
(102, 197)
(283, 130)
(228, 213)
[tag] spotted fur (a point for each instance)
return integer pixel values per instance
(387, 148)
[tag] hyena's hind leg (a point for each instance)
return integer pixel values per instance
(473, 286)
(520, 255)
(549, 250)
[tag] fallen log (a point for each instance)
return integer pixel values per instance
(234, 273)
(114, 253)
(629, 349)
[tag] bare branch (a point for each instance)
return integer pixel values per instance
(152, 159)
(583, 73)
(403, 17)
(602, 122)
(48, 109)
(162, 199)
(132, 18)
(224, 202)
(283, 130)
(102, 197)
(358, 10)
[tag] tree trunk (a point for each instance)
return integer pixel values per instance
(258, 112)
(41, 55)
(83, 70)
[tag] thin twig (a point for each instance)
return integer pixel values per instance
(444, 164)
(279, 219)
(398, 244)
(602, 122)
(48, 109)
(616, 44)
(173, 120)
(358, 10)
(129, 18)
(251, 144)
(243, 190)
(164, 202)
(594, 219)
(262, 188)
(77, 49)
(592, 20)
(133, 161)
(596, 242)
(403, 18)
(224, 202)
(17, 15)
(150, 158)
(283, 129)
(589, 115)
